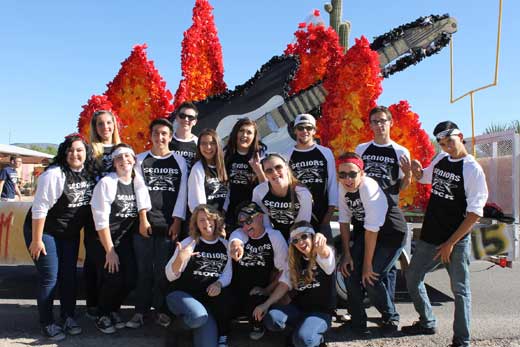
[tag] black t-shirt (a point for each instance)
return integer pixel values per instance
(310, 168)
(392, 232)
(163, 178)
(242, 181)
(282, 210)
(186, 149)
(447, 206)
(123, 212)
(256, 265)
(216, 191)
(317, 296)
(72, 210)
(203, 269)
(382, 164)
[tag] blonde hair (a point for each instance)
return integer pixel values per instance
(295, 260)
(95, 139)
(213, 215)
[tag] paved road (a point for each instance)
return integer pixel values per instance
(496, 316)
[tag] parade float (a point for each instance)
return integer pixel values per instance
(317, 73)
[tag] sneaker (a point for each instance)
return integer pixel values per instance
(71, 327)
(163, 319)
(257, 331)
(116, 320)
(389, 328)
(53, 332)
(417, 329)
(104, 324)
(91, 313)
(137, 321)
(222, 341)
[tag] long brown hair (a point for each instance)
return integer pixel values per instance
(213, 215)
(295, 260)
(219, 155)
(256, 146)
(95, 139)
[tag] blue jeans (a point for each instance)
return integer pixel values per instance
(308, 327)
(458, 270)
(195, 317)
(152, 254)
(57, 268)
(383, 260)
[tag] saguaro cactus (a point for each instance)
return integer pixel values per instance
(335, 9)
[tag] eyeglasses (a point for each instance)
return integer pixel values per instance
(351, 174)
(247, 220)
(187, 116)
(379, 121)
(304, 237)
(303, 127)
(270, 170)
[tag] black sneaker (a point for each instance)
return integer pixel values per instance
(417, 329)
(389, 328)
(257, 331)
(53, 332)
(104, 324)
(71, 327)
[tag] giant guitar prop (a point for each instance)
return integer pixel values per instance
(264, 98)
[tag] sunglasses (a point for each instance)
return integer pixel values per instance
(270, 171)
(350, 174)
(247, 221)
(304, 237)
(303, 127)
(187, 116)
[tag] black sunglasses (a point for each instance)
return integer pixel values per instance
(247, 221)
(304, 237)
(350, 174)
(303, 127)
(187, 116)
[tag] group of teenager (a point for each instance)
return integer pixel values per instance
(204, 233)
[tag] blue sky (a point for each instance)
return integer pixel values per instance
(56, 54)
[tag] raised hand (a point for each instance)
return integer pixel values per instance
(184, 254)
(417, 169)
(236, 250)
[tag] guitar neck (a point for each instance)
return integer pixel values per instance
(303, 102)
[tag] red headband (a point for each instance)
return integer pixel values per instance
(356, 161)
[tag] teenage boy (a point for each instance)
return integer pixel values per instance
(314, 166)
(388, 164)
(165, 175)
(184, 142)
(459, 193)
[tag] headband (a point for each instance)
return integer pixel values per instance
(303, 229)
(356, 161)
(446, 133)
(122, 150)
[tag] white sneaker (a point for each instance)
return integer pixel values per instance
(53, 332)
(137, 321)
(116, 320)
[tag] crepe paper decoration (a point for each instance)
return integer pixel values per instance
(353, 87)
(406, 131)
(201, 58)
(138, 95)
(318, 50)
